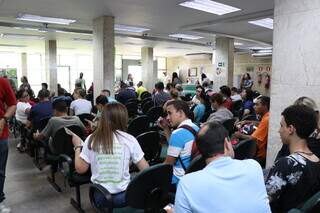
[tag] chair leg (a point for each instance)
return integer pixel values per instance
(52, 179)
(77, 203)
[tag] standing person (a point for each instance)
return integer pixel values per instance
(109, 145)
(81, 82)
(26, 86)
(175, 79)
(246, 81)
(7, 110)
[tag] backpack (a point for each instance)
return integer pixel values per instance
(194, 151)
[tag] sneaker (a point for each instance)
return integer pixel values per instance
(4, 209)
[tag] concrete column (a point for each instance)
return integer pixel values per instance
(148, 72)
(51, 64)
(295, 64)
(24, 65)
(103, 54)
(224, 62)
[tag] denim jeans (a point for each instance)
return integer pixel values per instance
(3, 163)
(118, 200)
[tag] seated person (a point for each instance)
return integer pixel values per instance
(160, 97)
(22, 112)
(180, 140)
(101, 101)
(314, 139)
(109, 144)
(226, 92)
(221, 114)
(125, 94)
(247, 104)
(195, 99)
(107, 93)
(200, 109)
(80, 105)
(140, 89)
(41, 110)
(213, 188)
(60, 119)
(295, 178)
(61, 96)
(235, 96)
(260, 135)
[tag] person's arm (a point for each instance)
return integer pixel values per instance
(142, 164)
(170, 160)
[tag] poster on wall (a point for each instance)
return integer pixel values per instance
(11, 74)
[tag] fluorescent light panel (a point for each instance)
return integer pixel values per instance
(266, 22)
(21, 36)
(185, 36)
(210, 6)
(127, 28)
(238, 43)
(44, 19)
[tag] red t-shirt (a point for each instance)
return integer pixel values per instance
(7, 98)
(228, 104)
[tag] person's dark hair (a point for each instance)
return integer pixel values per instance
(114, 117)
(225, 90)
(265, 101)
(60, 91)
(217, 98)
(159, 86)
(25, 79)
(179, 87)
(19, 93)
(140, 83)
(203, 76)
(249, 94)
(174, 94)
(123, 85)
(199, 86)
(180, 105)
(174, 75)
(43, 94)
(131, 83)
(60, 106)
(169, 86)
(106, 90)
(248, 76)
(101, 99)
(205, 84)
(235, 89)
(45, 85)
(303, 118)
(211, 142)
(81, 92)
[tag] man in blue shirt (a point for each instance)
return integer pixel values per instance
(180, 140)
(224, 185)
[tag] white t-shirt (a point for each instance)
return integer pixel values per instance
(81, 106)
(21, 114)
(112, 170)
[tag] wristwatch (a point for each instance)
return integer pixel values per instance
(76, 147)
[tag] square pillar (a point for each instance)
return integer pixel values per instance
(24, 65)
(51, 64)
(149, 75)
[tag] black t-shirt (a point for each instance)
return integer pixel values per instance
(291, 181)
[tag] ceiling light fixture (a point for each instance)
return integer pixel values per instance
(21, 36)
(44, 19)
(185, 36)
(127, 28)
(210, 6)
(238, 43)
(266, 22)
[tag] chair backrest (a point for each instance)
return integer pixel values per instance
(149, 189)
(198, 163)
(132, 108)
(85, 116)
(144, 95)
(150, 145)
(61, 142)
(229, 125)
(138, 125)
(245, 149)
(250, 117)
(154, 113)
(147, 106)
(145, 101)
(237, 105)
(312, 205)
(42, 123)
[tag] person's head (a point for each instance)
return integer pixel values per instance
(129, 78)
(203, 76)
(130, 83)
(81, 75)
(297, 122)
(177, 111)
(23, 96)
(246, 76)
(179, 88)
(174, 75)
(61, 92)
(234, 91)
(247, 94)
(174, 94)
(59, 86)
(44, 86)
(199, 90)
(60, 108)
(306, 101)
(169, 86)
(101, 101)
(114, 118)
(159, 86)
(24, 79)
(123, 85)
(43, 95)
(212, 140)
(205, 84)
(262, 105)
(79, 93)
(105, 92)
(140, 83)
(216, 100)
(226, 91)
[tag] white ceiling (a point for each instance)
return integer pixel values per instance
(163, 17)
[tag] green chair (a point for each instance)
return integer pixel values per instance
(309, 205)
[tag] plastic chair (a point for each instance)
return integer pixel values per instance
(147, 106)
(198, 163)
(310, 206)
(150, 145)
(144, 95)
(145, 101)
(138, 125)
(85, 116)
(154, 113)
(245, 149)
(229, 125)
(236, 107)
(132, 108)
